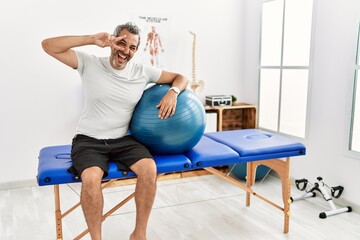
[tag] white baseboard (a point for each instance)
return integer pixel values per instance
(18, 184)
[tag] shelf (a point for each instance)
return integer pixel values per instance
(237, 116)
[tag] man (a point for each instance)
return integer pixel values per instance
(112, 87)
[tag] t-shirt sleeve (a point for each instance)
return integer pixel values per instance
(82, 58)
(153, 74)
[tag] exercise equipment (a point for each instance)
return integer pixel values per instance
(253, 146)
(176, 134)
(319, 186)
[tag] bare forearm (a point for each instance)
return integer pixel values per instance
(175, 79)
(180, 81)
(58, 45)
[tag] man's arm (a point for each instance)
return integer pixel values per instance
(61, 47)
(167, 105)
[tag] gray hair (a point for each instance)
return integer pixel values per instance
(131, 27)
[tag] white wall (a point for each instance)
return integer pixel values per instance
(252, 25)
(332, 76)
(40, 98)
(336, 26)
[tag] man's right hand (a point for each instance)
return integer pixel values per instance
(108, 40)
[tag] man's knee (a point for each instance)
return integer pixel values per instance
(145, 168)
(91, 177)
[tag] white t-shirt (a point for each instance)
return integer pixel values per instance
(110, 95)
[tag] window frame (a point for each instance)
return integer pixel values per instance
(281, 67)
(355, 95)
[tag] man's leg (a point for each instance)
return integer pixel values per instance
(92, 200)
(145, 190)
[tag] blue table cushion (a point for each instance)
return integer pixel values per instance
(53, 164)
(254, 144)
(213, 149)
(54, 161)
(209, 153)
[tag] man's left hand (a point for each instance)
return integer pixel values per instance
(167, 105)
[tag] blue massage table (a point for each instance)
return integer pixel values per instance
(251, 146)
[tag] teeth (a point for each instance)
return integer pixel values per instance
(121, 56)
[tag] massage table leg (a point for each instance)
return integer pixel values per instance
(280, 167)
(58, 216)
(250, 179)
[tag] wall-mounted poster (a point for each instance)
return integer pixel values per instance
(154, 45)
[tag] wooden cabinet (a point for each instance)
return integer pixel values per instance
(237, 116)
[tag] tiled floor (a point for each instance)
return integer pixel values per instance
(197, 208)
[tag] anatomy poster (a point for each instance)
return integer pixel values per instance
(154, 45)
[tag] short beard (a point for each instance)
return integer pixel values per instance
(113, 62)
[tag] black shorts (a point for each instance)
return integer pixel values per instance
(89, 152)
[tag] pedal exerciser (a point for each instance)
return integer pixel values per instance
(320, 186)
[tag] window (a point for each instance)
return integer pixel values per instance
(355, 126)
(284, 65)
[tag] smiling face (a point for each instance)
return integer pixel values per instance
(119, 59)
